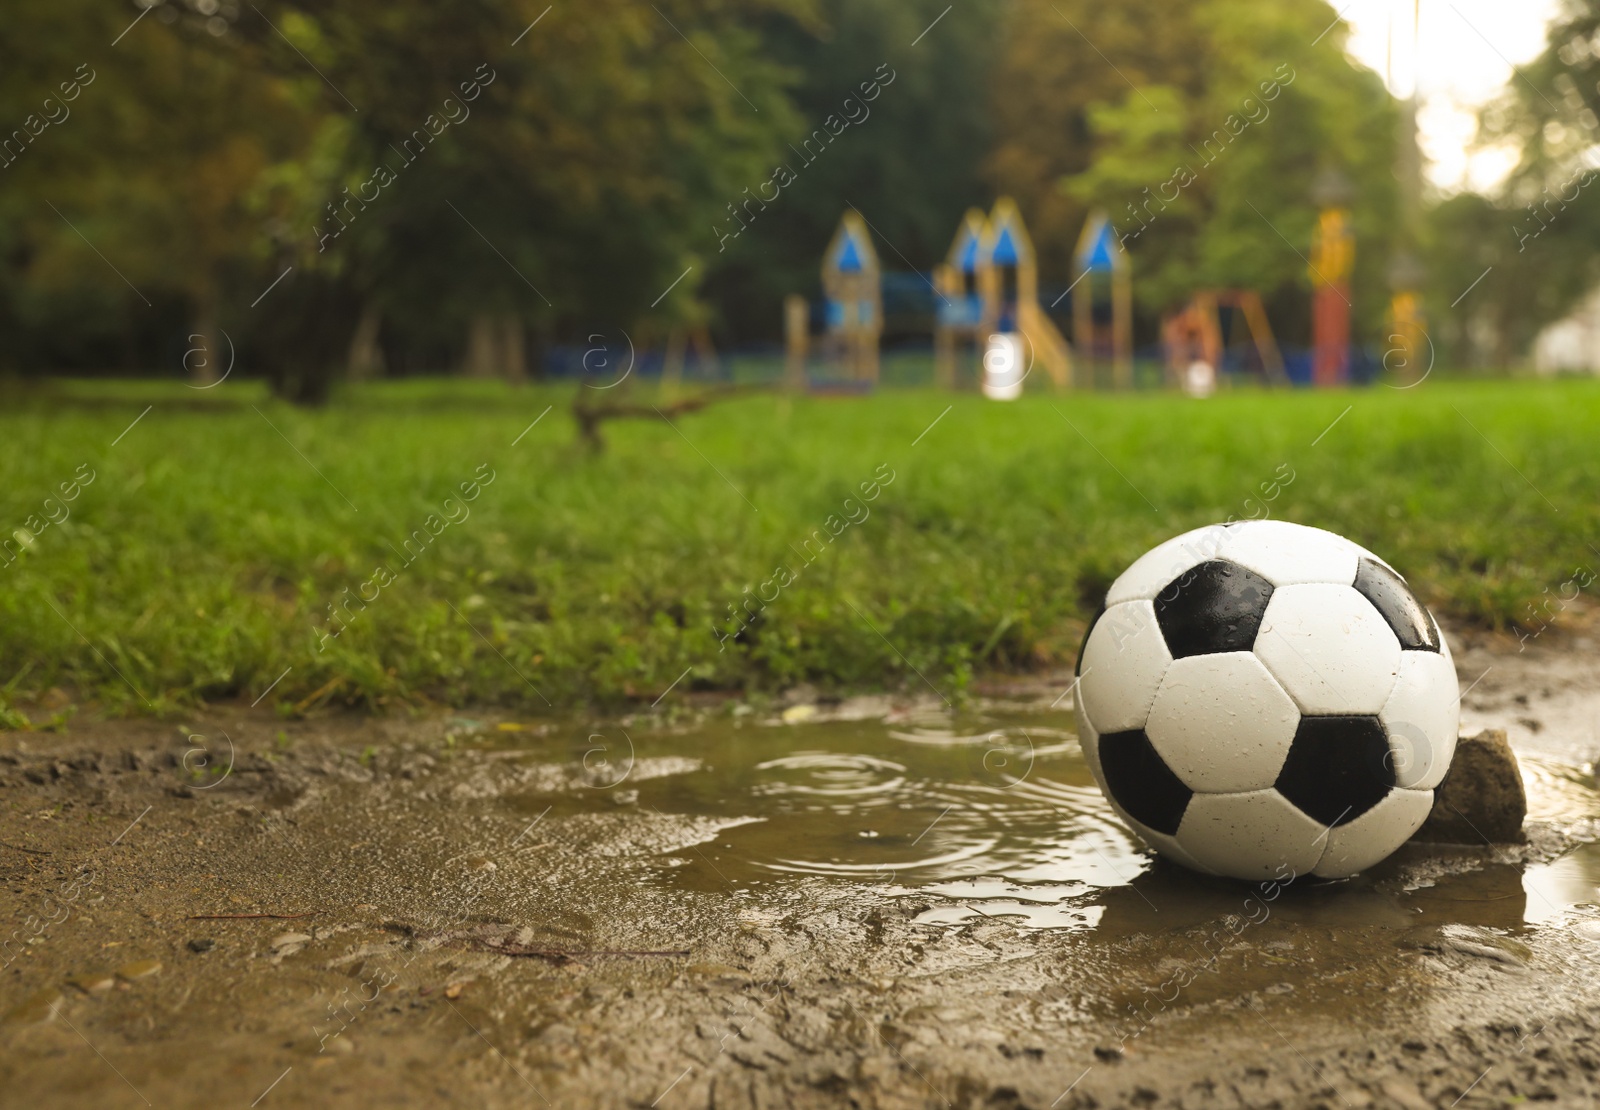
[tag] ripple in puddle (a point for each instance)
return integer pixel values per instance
(1002, 821)
(995, 818)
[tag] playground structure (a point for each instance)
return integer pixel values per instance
(1099, 253)
(1406, 334)
(1195, 334)
(1008, 285)
(959, 313)
(852, 285)
(987, 291)
(987, 286)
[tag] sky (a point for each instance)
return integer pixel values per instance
(1464, 54)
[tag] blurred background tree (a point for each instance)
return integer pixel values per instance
(1201, 143)
(911, 167)
(131, 223)
(567, 185)
(400, 187)
(1532, 239)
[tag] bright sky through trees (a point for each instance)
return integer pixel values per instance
(1465, 53)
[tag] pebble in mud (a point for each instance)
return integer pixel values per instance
(286, 944)
(201, 944)
(93, 982)
(138, 969)
(36, 1009)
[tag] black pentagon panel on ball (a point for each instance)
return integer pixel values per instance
(1337, 768)
(1217, 606)
(1140, 781)
(1412, 623)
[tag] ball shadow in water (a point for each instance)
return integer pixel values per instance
(1169, 897)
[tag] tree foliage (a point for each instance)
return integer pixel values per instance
(1202, 142)
(910, 163)
(292, 182)
(1531, 244)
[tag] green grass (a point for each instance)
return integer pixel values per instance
(201, 562)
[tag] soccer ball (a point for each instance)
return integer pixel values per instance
(1265, 700)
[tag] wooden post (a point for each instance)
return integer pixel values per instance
(1122, 326)
(366, 356)
(1083, 320)
(948, 284)
(796, 327)
(672, 367)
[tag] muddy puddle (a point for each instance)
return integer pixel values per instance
(878, 903)
(995, 816)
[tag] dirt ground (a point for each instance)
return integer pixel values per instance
(476, 911)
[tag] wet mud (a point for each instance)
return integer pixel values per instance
(876, 902)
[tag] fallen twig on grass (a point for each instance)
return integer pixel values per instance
(589, 417)
(252, 916)
(320, 693)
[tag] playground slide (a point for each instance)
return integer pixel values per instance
(1048, 346)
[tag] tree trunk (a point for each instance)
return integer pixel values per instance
(672, 366)
(483, 347)
(366, 356)
(208, 356)
(513, 350)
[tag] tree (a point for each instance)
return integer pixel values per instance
(400, 168)
(1532, 241)
(909, 158)
(1202, 142)
(147, 191)
(504, 161)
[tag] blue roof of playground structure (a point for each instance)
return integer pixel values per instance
(1005, 248)
(1097, 253)
(849, 261)
(968, 259)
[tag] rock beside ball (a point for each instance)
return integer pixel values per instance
(1481, 798)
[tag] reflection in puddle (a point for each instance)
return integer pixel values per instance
(1565, 795)
(1555, 888)
(1000, 822)
(992, 819)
